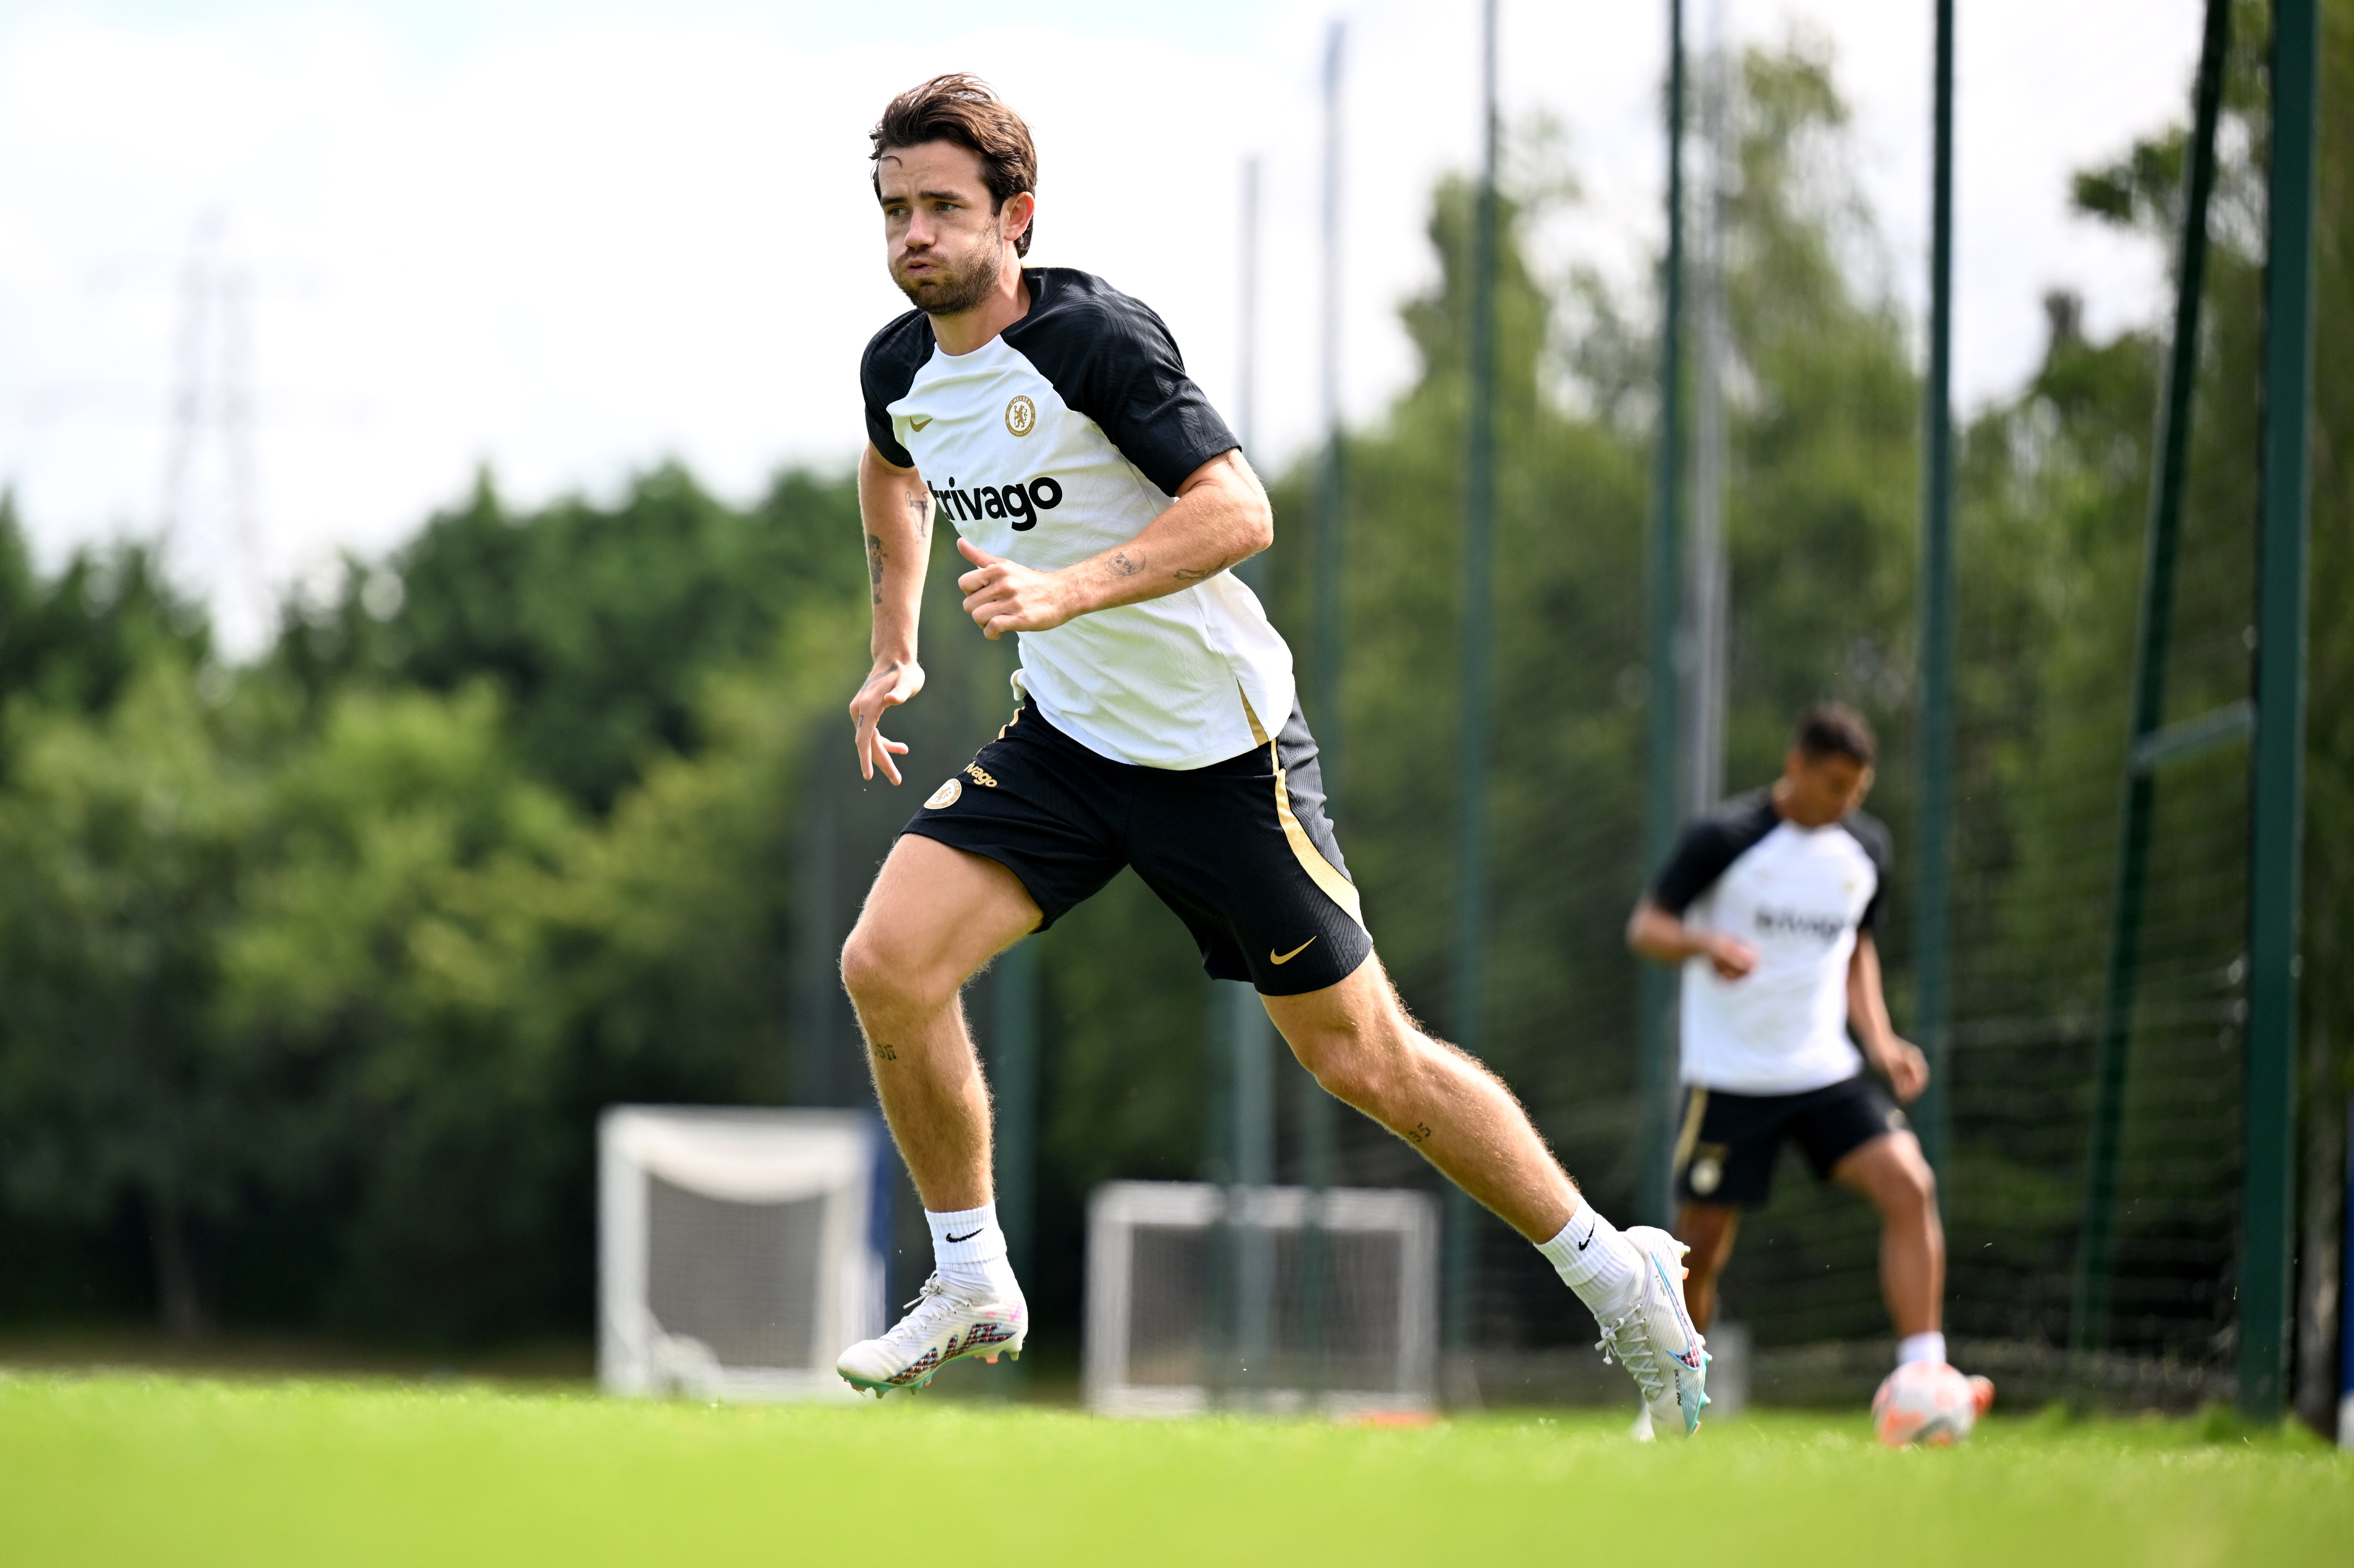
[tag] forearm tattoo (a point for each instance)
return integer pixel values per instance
(875, 555)
(1186, 575)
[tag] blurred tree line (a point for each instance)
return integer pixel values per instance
(318, 970)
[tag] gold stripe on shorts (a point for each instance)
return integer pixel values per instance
(1338, 888)
(1690, 1135)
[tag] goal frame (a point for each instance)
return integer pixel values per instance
(746, 1156)
(1115, 1209)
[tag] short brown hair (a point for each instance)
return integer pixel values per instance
(1835, 730)
(961, 109)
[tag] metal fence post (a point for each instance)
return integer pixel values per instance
(1932, 929)
(2089, 1308)
(2277, 784)
(1655, 1070)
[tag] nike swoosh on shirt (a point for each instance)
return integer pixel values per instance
(968, 1236)
(1275, 958)
(919, 424)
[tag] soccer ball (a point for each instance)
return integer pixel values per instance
(1930, 1403)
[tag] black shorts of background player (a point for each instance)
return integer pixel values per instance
(1768, 905)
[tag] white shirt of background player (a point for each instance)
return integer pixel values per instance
(1814, 793)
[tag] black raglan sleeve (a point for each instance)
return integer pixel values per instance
(1880, 846)
(1700, 857)
(885, 372)
(1708, 846)
(1112, 359)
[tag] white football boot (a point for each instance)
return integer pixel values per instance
(942, 1323)
(1655, 1339)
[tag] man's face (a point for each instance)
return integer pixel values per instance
(944, 246)
(1818, 790)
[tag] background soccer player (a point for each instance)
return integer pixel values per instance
(1769, 906)
(1101, 501)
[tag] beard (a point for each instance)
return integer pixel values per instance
(952, 291)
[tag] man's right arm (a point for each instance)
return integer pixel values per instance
(1657, 929)
(894, 508)
(1663, 937)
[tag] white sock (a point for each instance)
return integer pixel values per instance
(1596, 1261)
(968, 1251)
(1929, 1347)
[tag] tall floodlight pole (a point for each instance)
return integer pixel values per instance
(1251, 1042)
(1330, 477)
(2277, 785)
(1703, 649)
(1931, 932)
(2147, 747)
(1478, 598)
(1320, 1133)
(1247, 324)
(1656, 1067)
(1240, 1030)
(1330, 607)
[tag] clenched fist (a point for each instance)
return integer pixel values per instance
(1004, 595)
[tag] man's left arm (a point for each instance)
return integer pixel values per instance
(1900, 1061)
(1221, 518)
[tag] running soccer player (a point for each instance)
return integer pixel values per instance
(1769, 906)
(1101, 502)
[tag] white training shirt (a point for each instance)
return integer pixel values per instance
(1059, 439)
(1799, 897)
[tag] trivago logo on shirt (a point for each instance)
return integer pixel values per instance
(1800, 897)
(1020, 501)
(1768, 921)
(1060, 438)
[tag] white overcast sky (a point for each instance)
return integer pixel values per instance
(570, 240)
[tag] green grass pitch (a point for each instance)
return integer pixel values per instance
(118, 1468)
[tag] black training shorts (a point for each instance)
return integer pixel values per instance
(1240, 849)
(1725, 1153)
